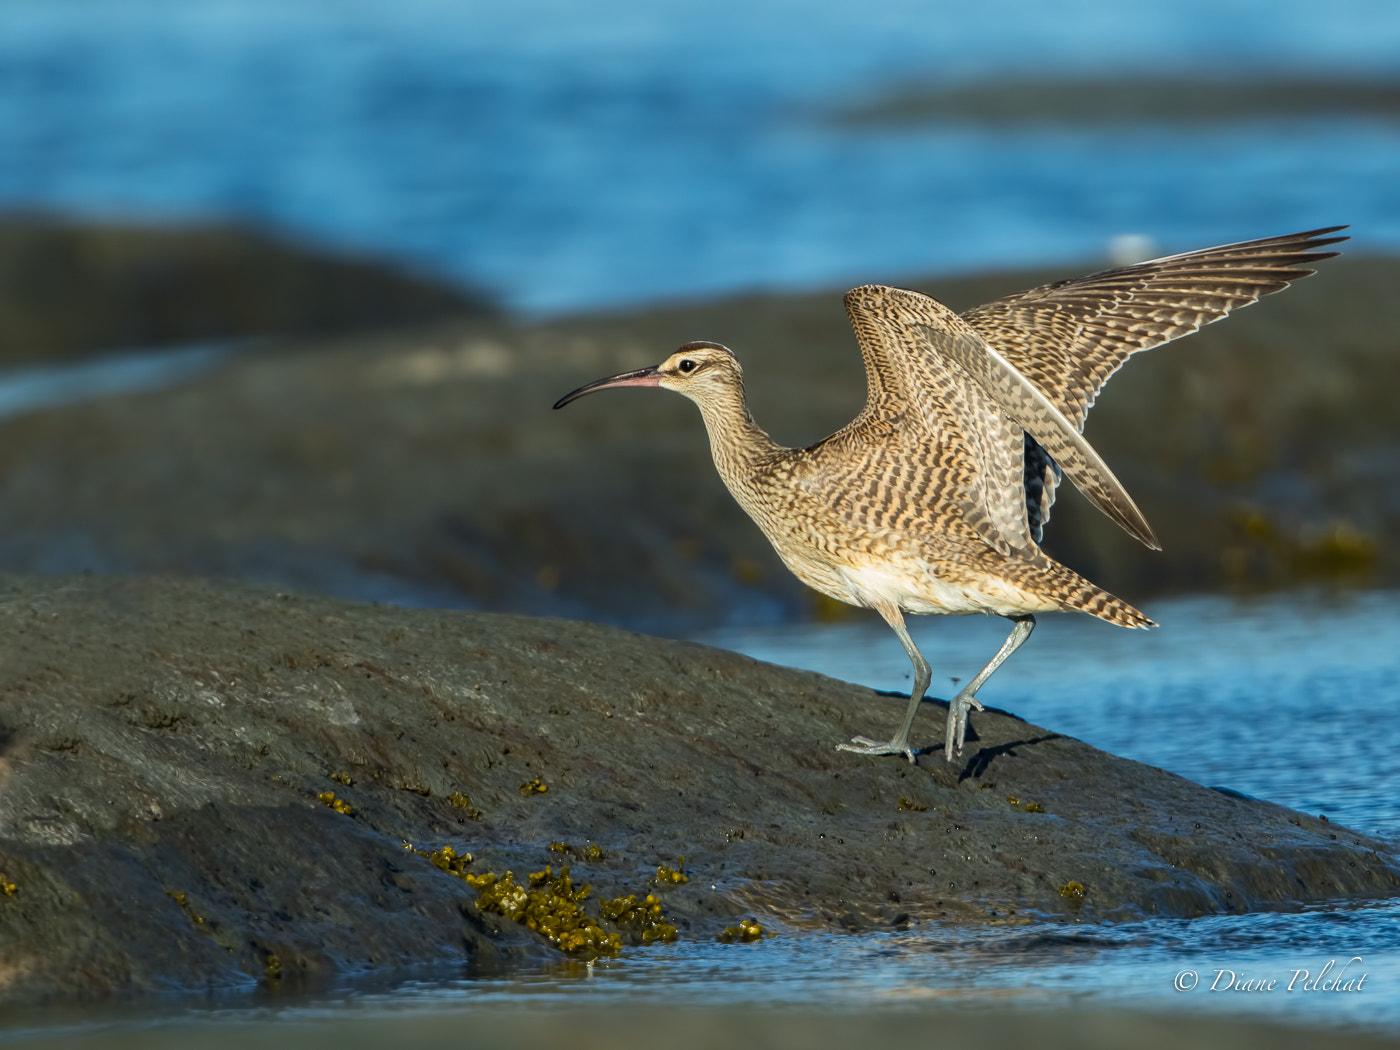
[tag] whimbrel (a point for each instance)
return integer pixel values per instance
(933, 500)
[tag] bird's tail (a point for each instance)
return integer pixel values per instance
(1076, 594)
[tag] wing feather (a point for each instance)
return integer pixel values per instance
(985, 410)
(1069, 337)
(1042, 475)
(1035, 413)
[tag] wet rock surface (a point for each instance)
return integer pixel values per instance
(425, 467)
(167, 748)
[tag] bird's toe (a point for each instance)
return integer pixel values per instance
(863, 745)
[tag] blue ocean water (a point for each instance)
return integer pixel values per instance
(576, 156)
(1199, 965)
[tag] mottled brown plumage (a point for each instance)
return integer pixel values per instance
(933, 499)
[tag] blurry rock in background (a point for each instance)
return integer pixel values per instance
(68, 289)
(423, 465)
(1156, 100)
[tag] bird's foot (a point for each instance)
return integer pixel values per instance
(863, 745)
(958, 710)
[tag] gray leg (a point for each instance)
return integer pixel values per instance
(900, 744)
(958, 708)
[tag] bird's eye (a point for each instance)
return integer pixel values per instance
(686, 365)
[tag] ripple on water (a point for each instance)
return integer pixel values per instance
(1136, 965)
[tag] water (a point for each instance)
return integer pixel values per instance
(575, 156)
(1134, 965)
(24, 390)
(1137, 965)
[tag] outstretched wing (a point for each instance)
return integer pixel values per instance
(933, 380)
(1069, 337)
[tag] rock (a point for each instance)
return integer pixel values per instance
(1135, 101)
(172, 753)
(68, 289)
(424, 466)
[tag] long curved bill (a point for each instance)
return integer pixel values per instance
(641, 377)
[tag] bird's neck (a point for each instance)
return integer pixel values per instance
(738, 444)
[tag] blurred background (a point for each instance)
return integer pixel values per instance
(571, 158)
(286, 288)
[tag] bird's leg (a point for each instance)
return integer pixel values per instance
(900, 744)
(967, 698)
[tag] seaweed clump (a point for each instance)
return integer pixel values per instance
(446, 859)
(327, 798)
(464, 802)
(591, 852)
(533, 787)
(1268, 554)
(181, 898)
(643, 918)
(746, 932)
(676, 876)
(8, 888)
(551, 906)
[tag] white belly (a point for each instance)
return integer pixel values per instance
(913, 587)
(895, 575)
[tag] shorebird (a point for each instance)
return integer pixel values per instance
(934, 499)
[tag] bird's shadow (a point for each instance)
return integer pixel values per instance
(979, 762)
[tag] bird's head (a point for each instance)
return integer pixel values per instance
(700, 371)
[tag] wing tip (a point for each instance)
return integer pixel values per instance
(1122, 511)
(1283, 244)
(1142, 532)
(1322, 231)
